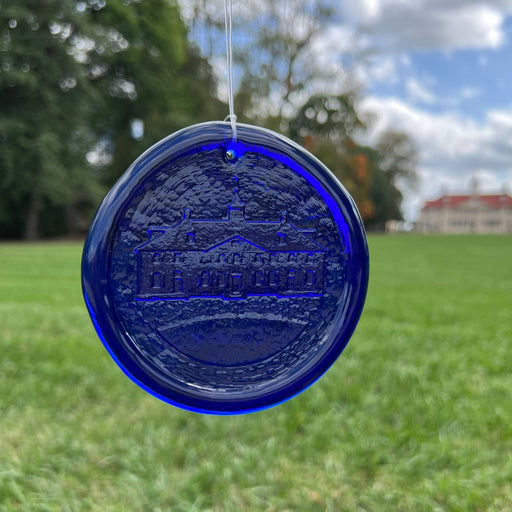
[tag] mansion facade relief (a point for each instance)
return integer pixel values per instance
(231, 258)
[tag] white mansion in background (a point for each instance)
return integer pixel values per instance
(474, 213)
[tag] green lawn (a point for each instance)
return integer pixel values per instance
(415, 416)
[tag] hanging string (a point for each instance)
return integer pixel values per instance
(228, 17)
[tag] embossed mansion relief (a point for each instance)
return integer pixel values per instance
(228, 265)
(231, 258)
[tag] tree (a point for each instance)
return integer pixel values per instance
(332, 117)
(394, 159)
(148, 75)
(277, 64)
(328, 126)
(274, 49)
(288, 85)
(44, 100)
(77, 76)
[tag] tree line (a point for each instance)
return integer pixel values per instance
(88, 85)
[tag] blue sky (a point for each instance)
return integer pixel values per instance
(442, 72)
(469, 80)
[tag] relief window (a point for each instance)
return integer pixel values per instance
(310, 278)
(157, 280)
(178, 281)
(236, 283)
(291, 280)
(220, 279)
(259, 278)
(205, 279)
(273, 278)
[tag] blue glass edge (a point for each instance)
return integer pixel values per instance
(95, 255)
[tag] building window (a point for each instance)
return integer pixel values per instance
(221, 279)
(178, 281)
(310, 278)
(273, 278)
(259, 278)
(236, 283)
(157, 257)
(291, 280)
(191, 238)
(157, 280)
(205, 279)
(281, 237)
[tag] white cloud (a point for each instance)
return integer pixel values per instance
(468, 92)
(488, 182)
(363, 11)
(448, 141)
(383, 69)
(418, 93)
(430, 24)
(464, 94)
(502, 119)
(452, 147)
(336, 40)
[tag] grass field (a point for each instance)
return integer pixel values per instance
(415, 416)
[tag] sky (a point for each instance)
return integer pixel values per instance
(442, 72)
(439, 70)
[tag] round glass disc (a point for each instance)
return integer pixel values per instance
(225, 277)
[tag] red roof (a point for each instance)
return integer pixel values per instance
(494, 201)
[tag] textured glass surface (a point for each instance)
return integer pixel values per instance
(224, 284)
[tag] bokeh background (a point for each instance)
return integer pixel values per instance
(403, 101)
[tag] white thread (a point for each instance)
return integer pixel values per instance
(228, 17)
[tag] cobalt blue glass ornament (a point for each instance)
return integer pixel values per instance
(225, 277)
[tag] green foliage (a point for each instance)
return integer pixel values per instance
(375, 176)
(327, 117)
(44, 100)
(147, 72)
(415, 416)
(394, 161)
(74, 77)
